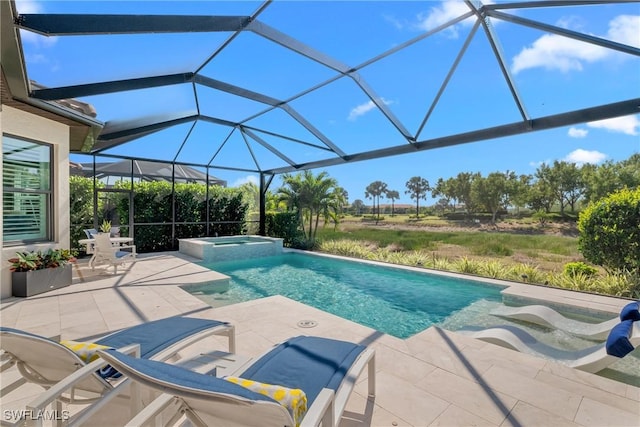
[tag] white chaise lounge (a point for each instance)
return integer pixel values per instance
(622, 340)
(546, 316)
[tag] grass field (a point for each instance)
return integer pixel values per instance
(522, 242)
(516, 250)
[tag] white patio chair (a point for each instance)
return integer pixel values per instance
(69, 379)
(106, 253)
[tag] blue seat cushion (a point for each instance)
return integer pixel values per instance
(630, 311)
(174, 375)
(307, 363)
(618, 343)
(157, 335)
(120, 254)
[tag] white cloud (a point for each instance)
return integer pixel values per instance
(34, 7)
(393, 21)
(625, 29)
(28, 6)
(581, 157)
(577, 132)
(249, 178)
(628, 125)
(363, 109)
(443, 13)
(555, 52)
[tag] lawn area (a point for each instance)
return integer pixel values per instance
(548, 249)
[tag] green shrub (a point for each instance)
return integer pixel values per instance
(493, 269)
(467, 266)
(573, 268)
(541, 216)
(527, 273)
(305, 244)
(609, 232)
(285, 225)
(80, 209)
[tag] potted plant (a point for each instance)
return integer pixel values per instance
(105, 227)
(36, 272)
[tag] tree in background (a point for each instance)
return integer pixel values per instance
(374, 191)
(608, 177)
(492, 192)
(520, 191)
(251, 194)
(417, 188)
(541, 196)
(461, 185)
(341, 197)
(358, 207)
(334, 206)
(446, 190)
(393, 195)
(570, 180)
(564, 180)
(610, 233)
(311, 196)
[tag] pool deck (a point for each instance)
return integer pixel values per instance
(435, 378)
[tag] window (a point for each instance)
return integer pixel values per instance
(26, 195)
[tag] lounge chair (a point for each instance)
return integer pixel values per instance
(60, 370)
(324, 369)
(90, 232)
(622, 340)
(545, 316)
(106, 253)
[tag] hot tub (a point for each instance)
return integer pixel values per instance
(229, 248)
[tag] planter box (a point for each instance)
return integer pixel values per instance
(28, 283)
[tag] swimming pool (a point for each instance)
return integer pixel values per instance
(391, 300)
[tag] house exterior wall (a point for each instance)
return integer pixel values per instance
(23, 124)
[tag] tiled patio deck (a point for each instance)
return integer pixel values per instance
(435, 378)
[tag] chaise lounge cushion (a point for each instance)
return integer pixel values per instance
(630, 311)
(153, 336)
(307, 363)
(186, 380)
(618, 343)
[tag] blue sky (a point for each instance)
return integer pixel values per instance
(553, 74)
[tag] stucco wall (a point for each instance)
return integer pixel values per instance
(19, 123)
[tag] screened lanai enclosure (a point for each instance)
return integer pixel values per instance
(264, 88)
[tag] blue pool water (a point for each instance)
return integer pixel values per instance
(397, 302)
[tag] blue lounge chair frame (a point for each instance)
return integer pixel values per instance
(325, 369)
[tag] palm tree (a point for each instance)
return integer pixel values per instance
(374, 191)
(311, 196)
(417, 189)
(333, 206)
(393, 195)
